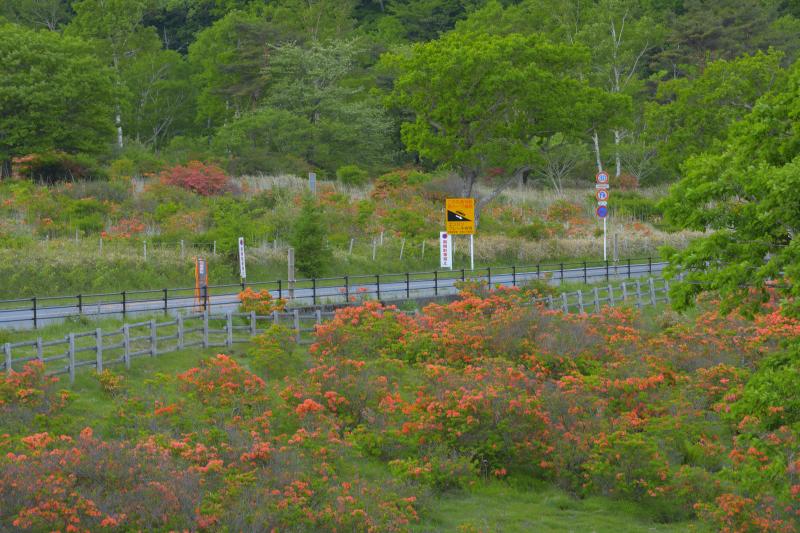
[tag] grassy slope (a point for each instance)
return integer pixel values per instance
(488, 506)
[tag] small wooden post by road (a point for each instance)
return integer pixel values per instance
(296, 317)
(229, 329)
(652, 291)
(179, 323)
(153, 338)
(565, 305)
(253, 325)
(7, 350)
(638, 293)
(290, 261)
(580, 301)
(71, 357)
(596, 300)
(126, 345)
(611, 300)
(99, 349)
(624, 291)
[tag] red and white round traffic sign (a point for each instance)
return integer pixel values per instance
(602, 177)
(602, 195)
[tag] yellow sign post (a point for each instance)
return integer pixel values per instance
(460, 218)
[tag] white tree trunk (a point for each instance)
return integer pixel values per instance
(596, 141)
(119, 129)
(618, 158)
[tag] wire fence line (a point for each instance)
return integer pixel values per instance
(317, 291)
(100, 349)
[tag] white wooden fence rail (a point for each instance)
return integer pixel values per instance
(100, 349)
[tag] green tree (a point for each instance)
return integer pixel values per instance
(485, 104)
(312, 253)
(54, 95)
(37, 14)
(691, 116)
(746, 196)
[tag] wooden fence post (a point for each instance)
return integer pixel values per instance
(296, 317)
(275, 318)
(71, 358)
(7, 350)
(229, 329)
(565, 305)
(179, 323)
(624, 291)
(611, 300)
(39, 350)
(652, 292)
(153, 338)
(126, 345)
(99, 349)
(666, 290)
(550, 302)
(253, 325)
(205, 329)
(638, 293)
(596, 300)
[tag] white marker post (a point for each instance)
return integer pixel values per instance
(242, 267)
(472, 252)
(602, 206)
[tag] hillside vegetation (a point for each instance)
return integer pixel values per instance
(389, 421)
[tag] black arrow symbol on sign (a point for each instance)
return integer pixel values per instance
(456, 216)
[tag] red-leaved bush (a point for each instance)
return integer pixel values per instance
(197, 177)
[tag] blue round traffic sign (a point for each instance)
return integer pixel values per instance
(602, 177)
(602, 211)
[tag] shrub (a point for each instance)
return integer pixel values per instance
(51, 167)
(206, 180)
(634, 205)
(261, 302)
(352, 175)
(312, 254)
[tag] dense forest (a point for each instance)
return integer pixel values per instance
(533, 90)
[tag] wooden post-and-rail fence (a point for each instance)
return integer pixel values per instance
(100, 349)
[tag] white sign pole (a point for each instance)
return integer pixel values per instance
(471, 252)
(242, 268)
(605, 246)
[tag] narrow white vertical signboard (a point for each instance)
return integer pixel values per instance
(242, 269)
(445, 250)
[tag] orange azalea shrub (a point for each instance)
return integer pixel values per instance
(262, 302)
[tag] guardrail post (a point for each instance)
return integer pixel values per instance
(296, 317)
(561, 277)
(596, 300)
(126, 345)
(463, 275)
(652, 291)
(39, 350)
(629, 268)
(7, 350)
(80, 304)
(513, 275)
(205, 299)
(650, 265)
(124, 304)
(179, 323)
(314, 291)
(229, 329)
(99, 349)
(408, 287)
(538, 270)
(253, 324)
(489, 276)
(280, 290)
(153, 338)
(585, 274)
(436, 283)
(205, 329)
(71, 357)
(378, 285)
(35, 314)
(606, 269)
(165, 301)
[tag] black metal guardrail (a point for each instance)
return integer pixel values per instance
(315, 291)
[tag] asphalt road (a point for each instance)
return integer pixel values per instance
(21, 316)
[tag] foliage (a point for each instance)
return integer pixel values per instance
(312, 253)
(198, 177)
(352, 175)
(54, 95)
(261, 302)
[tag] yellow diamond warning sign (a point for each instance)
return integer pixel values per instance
(460, 219)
